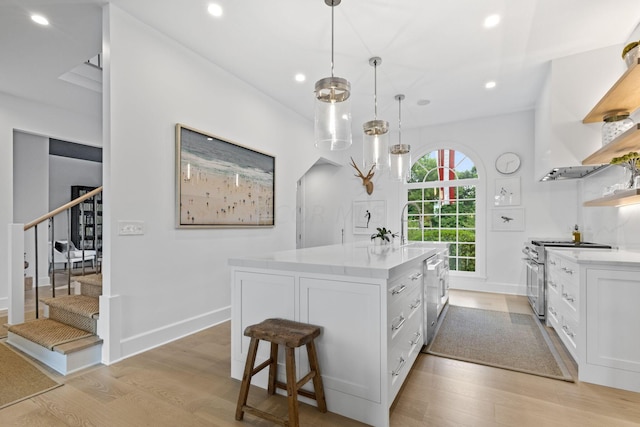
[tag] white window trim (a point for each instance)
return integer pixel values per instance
(481, 202)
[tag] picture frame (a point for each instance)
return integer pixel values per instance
(507, 219)
(507, 192)
(369, 215)
(221, 184)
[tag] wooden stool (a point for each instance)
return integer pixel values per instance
(292, 335)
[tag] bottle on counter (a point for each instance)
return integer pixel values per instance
(576, 235)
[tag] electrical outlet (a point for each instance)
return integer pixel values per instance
(130, 228)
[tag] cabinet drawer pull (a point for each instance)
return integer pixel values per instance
(567, 270)
(553, 311)
(568, 297)
(399, 325)
(418, 335)
(553, 284)
(416, 276)
(398, 289)
(415, 304)
(552, 262)
(568, 331)
(400, 366)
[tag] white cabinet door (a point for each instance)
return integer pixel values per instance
(349, 348)
(613, 319)
(256, 297)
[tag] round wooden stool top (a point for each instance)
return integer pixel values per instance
(282, 331)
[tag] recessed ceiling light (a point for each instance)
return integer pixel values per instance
(300, 77)
(423, 102)
(491, 21)
(490, 85)
(39, 19)
(215, 10)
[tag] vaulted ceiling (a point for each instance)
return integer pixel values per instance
(431, 50)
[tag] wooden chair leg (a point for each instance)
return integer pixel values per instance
(246, 378)
(273, 369)
(317, 379)
(292, 390)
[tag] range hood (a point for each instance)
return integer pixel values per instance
(572, 172)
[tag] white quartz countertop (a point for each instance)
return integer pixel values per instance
(599, 256)
(361, 259)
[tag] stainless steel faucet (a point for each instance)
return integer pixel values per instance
(402, 236)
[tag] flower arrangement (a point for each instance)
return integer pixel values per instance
(383, 234)
(629, 161)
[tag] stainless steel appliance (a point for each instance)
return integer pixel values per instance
(534, 251)
(433, 267)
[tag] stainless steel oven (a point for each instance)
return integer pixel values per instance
(535, 255)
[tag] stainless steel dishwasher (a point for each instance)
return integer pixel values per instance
(433, 265)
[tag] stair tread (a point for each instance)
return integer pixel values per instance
(90, 279)
(79, 344)
(79, 304)
(49, 333)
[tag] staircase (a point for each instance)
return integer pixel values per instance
(66, 338)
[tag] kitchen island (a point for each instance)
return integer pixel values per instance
(367, 298)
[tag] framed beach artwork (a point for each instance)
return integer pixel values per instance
(369, 215)
(222, 184)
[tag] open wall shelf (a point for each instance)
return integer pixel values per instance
(624, 95)
(628, 141)
(621, 198)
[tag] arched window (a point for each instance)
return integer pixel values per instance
(442, 187)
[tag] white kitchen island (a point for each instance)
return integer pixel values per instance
(367, 299)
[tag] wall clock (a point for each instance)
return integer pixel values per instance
(508, 163)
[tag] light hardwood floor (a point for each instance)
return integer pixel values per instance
(187, 383)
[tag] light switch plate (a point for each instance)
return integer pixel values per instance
(130, 228)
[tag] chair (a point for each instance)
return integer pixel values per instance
(75, 255)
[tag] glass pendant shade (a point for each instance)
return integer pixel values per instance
(400, 155)
(375, 145)
(333, 114)
(332, 128)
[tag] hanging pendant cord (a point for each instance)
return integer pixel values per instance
(399, 121)
(375, 90)
(332, 7)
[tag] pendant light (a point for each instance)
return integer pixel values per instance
(375, 146)
(400, 153)
(333, 108)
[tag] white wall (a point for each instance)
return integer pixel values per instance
(30, 177)
(29, 117)
(170, 282)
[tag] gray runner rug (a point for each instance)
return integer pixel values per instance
(505, 340)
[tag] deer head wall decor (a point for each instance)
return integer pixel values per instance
(366, 180)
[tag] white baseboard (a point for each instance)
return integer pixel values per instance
(155, 338)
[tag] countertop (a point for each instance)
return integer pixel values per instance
(599, 256)
(358, 259)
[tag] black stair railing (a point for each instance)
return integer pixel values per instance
(96, 237)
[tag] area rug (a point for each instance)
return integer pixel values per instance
(505, 340)
(19, 378)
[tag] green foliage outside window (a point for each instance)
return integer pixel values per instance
(447, 211)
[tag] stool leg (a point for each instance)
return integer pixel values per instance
(292, 390)
(273, 369)
(317, 379)
(246, 378)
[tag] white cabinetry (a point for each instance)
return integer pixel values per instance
(562, 300)
(592, 303)
(613, 328)
(371, 329)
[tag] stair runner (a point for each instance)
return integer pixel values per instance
(71, 317)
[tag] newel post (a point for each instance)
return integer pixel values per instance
(16, 274)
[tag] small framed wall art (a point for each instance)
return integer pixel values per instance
(507, 192)
(507, 219)
(368, 215)
(222, 184)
